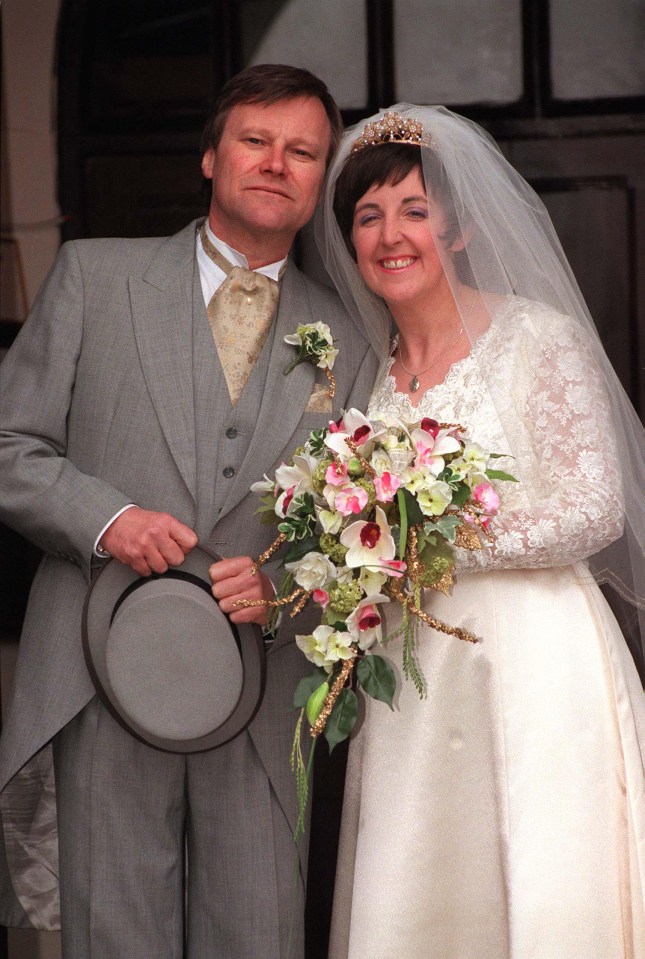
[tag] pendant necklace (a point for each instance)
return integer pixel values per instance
(414, 384)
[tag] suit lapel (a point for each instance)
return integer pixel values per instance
(162, 304)
(283, 398)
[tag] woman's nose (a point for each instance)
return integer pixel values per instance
(390, 232)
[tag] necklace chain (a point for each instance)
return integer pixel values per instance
(414, 384)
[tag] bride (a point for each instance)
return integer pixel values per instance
(503, 816)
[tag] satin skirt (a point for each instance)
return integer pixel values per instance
(503, 815)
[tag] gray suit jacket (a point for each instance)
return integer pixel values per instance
(113, 394)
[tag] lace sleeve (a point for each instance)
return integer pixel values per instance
(568, 505)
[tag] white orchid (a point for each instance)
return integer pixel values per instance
(368, 544)
(298, 474)
(356, 427)
(263, 486)
(365, 622)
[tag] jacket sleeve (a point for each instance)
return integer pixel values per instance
(43, 494)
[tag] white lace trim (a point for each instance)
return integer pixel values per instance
(568, 504)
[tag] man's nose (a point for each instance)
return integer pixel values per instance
(274, 160)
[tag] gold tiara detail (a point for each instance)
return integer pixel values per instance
(392, 128)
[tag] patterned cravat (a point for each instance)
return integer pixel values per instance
(240, 314)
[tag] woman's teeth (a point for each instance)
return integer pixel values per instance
(398, 264)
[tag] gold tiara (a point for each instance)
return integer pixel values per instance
(392, 128)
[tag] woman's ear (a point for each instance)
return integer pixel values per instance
(463, 239)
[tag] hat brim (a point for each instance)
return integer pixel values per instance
(168, 664)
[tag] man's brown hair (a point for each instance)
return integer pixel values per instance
(267, 83)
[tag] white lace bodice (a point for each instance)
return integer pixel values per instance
(568, 504)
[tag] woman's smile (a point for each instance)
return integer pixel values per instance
(396, 235)
(400, 263)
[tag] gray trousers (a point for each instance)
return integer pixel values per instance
(126, 814)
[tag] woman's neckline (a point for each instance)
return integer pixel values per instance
(454, 367)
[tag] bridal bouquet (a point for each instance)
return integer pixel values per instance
(370, 513)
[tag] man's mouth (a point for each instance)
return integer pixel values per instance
(400, 263)
(272, 190)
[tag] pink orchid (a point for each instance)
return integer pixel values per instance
(431, 449)
(386, 486)
(394, 567)
(486, 496)
(364, 623)
(350, 499)
(336, 474)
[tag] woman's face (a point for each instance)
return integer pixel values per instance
(393, 234)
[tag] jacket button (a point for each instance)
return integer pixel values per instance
(231, 432)
(228, 472)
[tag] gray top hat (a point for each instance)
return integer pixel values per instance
(165, 660)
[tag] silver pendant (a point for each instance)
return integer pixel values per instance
(413, 385)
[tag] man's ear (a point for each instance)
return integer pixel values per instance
(208, 163)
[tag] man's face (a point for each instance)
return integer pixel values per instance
(267, 172)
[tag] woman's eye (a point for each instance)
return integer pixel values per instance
(417, 214)
(366, 219)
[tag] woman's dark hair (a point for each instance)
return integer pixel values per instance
(390, 163)
(268, 83)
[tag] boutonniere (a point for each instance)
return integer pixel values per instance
(315, 344)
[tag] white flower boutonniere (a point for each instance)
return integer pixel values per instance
(315, 344)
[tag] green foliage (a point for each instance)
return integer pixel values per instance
(316, 441)
(446, 526)
(299, 549)
(412, 508)
(501, 475)
(307, 686)
(377, 678)
(301, 774)
(302, 523)
(342, 719)
(460, 494)
(411, 669)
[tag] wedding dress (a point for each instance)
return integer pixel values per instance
(503, 815)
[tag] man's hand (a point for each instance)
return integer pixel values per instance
(232, 580)
(147, 541)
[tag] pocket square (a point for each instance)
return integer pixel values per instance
(320, 400)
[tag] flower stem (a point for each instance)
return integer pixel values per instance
(403, 514)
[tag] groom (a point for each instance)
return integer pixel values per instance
(135, 412)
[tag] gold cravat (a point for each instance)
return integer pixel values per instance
(240, 314)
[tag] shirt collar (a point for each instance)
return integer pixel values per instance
(271, 270)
